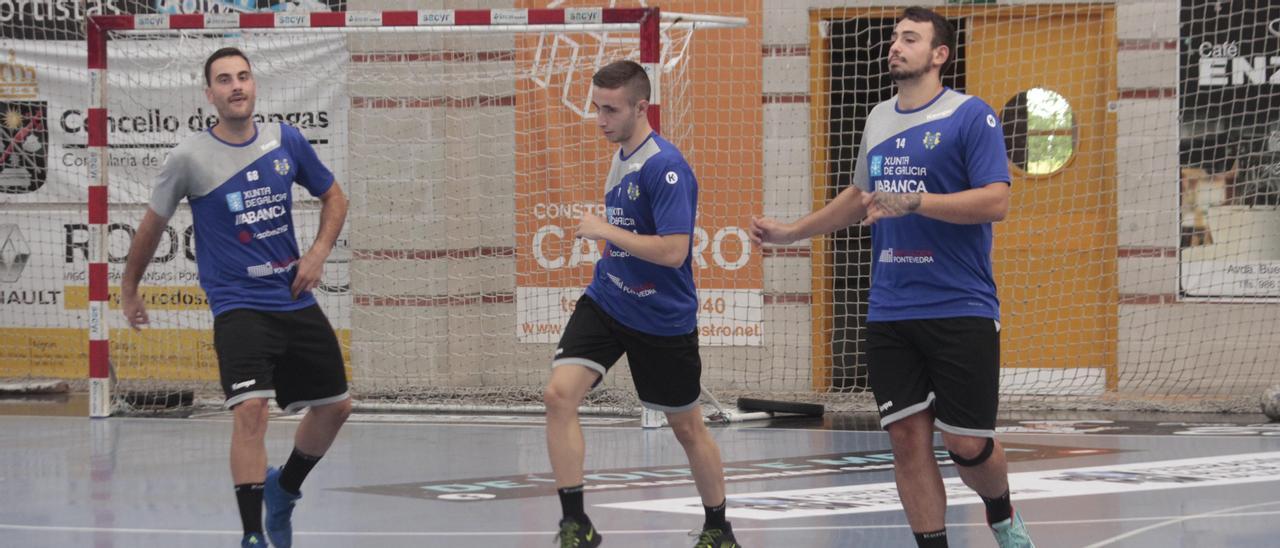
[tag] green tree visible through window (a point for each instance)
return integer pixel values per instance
(1050, 131)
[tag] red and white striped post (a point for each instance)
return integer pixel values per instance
(98, 160)
(651, 60)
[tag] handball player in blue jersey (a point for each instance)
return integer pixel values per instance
(641, 302)
(931, 177)
(271, 337)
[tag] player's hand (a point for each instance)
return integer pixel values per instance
(592, 226)
(310, 269)
(134, 311)
(768, 231)
(887, 205)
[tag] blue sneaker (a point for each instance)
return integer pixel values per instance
(1012, 533)
(253, 540)
(279, 522)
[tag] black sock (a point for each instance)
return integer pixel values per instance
(932, 539)
(249, 498)
(715, 516)
(571, 503)
(296, 469)
(998, 509)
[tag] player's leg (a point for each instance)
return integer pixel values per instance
(667, 372)
(586, 351)
(246, 346)
(964, 365)
(311, 376)
(248, 466)
(904, 398)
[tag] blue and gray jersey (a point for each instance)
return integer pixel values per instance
(242, 210)
(651, 192)
(925, 268)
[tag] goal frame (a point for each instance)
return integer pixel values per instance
(649, 22)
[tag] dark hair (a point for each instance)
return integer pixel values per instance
(943, 33)
(624, 73)
(224, 52)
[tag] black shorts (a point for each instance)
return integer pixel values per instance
(292, 356)
(667, 371)
(952, 364)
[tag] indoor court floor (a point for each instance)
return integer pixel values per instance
(1096, 480)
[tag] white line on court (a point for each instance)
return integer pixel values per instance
(1225, 512)
(1164, 520)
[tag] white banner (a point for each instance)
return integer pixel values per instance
(1232, 279)
(726, 317)
(45, 271)
(155, 98)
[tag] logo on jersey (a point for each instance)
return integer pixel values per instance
(266, 213)
(633, 191)
(235, 202)
(672, 178)
(991, 120)
(932, 138)
(282, 166)
(274, 267)
(246, 236)
(906, 256)
(877, 166)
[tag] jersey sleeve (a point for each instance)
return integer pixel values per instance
(170, 185)
(986, 159)
(673, 195)
(861, 171)
(312, 173)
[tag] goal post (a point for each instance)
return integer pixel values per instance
(464, 140)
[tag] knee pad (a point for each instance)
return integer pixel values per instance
(981, 458)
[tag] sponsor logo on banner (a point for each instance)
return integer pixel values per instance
(824, 465)
(24, 135)
(14, 253)
(1229, 166)
(552, 264)
(58, 19)
(64, 20)
(246, 6)
(1043, 484)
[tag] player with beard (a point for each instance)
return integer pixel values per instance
(932, 176)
